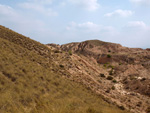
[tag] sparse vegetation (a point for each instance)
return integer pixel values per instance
(102, 75)
(113, 87)
(62, 66)
(148, 110)
(110, 66)
(109, 78)
(91, 110)
(114, 81)
(30, 81)
(108, 56)
(105, 65)
(143, 79)
(111, 72)
(123, 62)
(122, 107)
(70, 52)
(56, 51)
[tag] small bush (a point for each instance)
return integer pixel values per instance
(91, 110)
(113, 88)
(111, 72)
(108, 56)
(110, 66)
(139, 104)
(122, 107)
(62, 66)
(109, 78)
(56, 51)
(107, 91)
(143, 79)
(102, 75)
(70, 52)
(114, 81)
(148, 110)
(105, 65)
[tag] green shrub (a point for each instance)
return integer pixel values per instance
(111, 72)
(108, 56)
(70, 52)
(113, 88)
(105, 65)
(114, 81)
(110, 66)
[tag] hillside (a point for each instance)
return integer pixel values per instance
(33, 79)
(120, 74)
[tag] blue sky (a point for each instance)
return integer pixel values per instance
(62, 21)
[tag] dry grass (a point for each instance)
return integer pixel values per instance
(27, 85)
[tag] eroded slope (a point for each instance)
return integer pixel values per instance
(33, 80)
(118, 73)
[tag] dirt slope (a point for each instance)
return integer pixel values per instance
(118, 73)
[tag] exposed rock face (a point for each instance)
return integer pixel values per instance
(128, 69)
